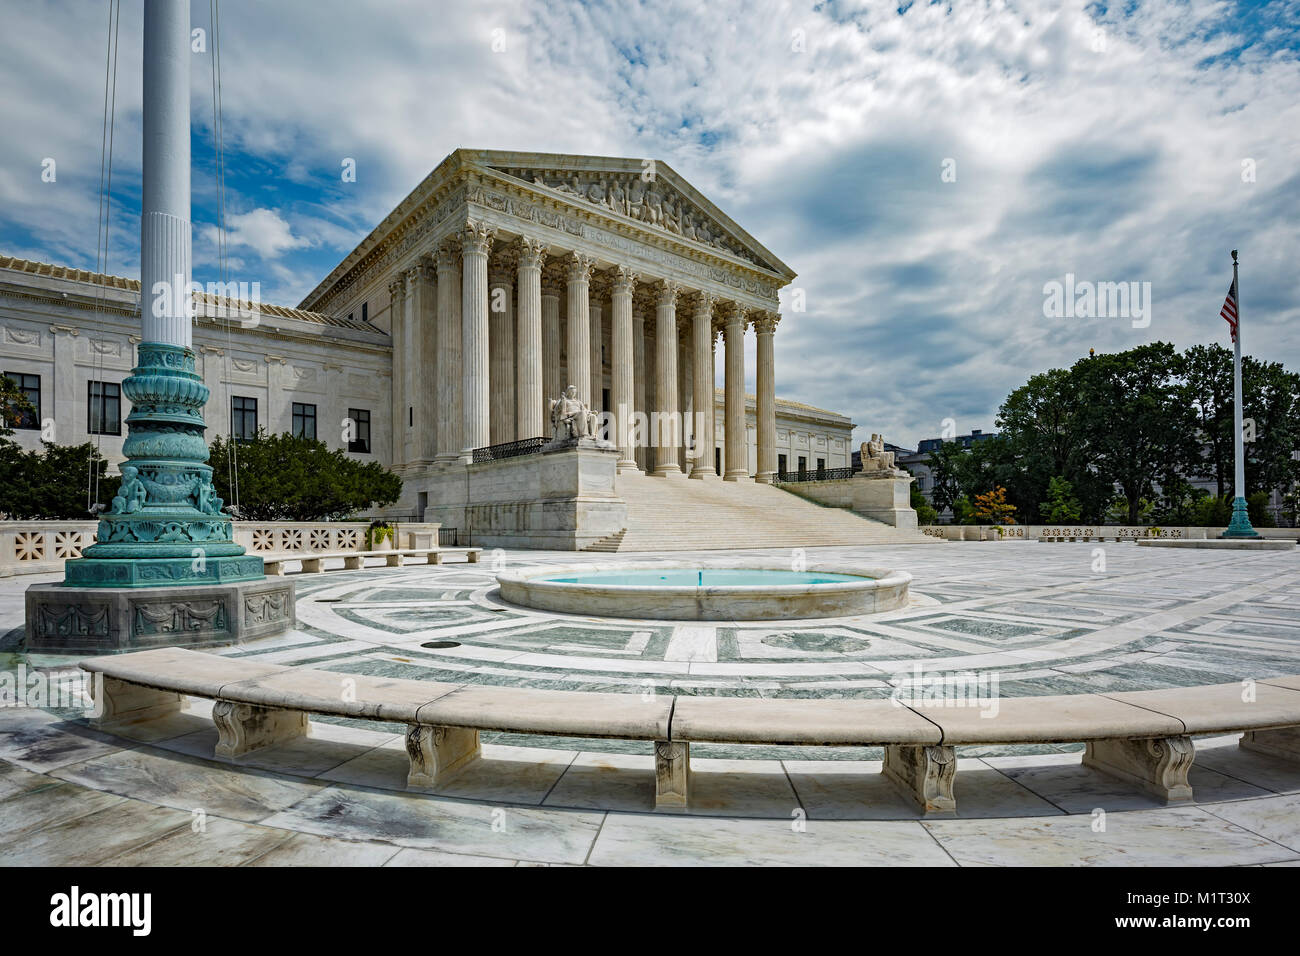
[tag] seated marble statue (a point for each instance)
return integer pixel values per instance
(131, 494)
(874, 457)
(570, 416)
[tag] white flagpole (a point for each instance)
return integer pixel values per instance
(1240, 526)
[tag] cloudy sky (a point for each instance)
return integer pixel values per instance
(925, 168)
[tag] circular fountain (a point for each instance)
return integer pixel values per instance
(730, 591)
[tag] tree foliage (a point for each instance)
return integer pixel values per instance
(56, 483)
(13, 405)
(285, 478)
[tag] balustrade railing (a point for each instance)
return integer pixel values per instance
(814, 474)
(509, 449)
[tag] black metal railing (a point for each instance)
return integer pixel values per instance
(815, 474)
(509, 449)
(448, 538)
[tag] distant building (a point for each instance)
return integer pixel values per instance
(918, 462)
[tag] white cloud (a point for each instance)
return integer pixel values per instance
(924, 297)
(262, 230)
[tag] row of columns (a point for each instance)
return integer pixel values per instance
(497, 357)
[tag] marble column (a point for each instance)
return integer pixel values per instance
(596, 343)
(409, 424)
(736, 440)
(702, 367)
(419, 348)
(397, 336)
(622, 366)
(668, 435)
(476, 243)
(530, 406)
(765, 406)
(425, 394)
(685, 397)
(640, 388)
(551, 377)
(449, 352)
(501, 362)
(579, 325)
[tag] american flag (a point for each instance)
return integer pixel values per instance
(1229, 310)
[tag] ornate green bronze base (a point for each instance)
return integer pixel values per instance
(1240, 526)
(157, 572)
(166, 525)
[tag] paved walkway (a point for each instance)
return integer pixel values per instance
(1038, 614)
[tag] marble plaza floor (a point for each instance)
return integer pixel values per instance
(1042, 618)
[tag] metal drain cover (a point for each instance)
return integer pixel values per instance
(439, 645)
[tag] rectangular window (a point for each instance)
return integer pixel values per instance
(360, 430)
(104, 408)
(304, 420)
(821, 465)
(782, 464)
(243, 418)
(803, 465)
(30, 386)
(365, 311)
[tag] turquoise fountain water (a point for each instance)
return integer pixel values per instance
(709, 577)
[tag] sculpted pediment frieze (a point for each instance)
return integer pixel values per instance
(653, 202)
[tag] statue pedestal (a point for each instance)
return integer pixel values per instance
(887, 498)
(570, 444)
(64, 618)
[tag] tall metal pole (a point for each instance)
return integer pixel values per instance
(165, 230)
(166, 525)
(1240, 526)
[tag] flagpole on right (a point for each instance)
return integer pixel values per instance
(1240, 526)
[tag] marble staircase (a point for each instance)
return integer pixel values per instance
(678, 514)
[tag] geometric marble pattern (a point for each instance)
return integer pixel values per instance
(1034, 614)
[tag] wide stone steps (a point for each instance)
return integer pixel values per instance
(676, 514)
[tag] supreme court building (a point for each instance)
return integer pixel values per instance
(437, 344)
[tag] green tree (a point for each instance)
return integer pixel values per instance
(1061, 504)
(1139, 427)
(56, 483)
(1044, 426)
(925, 513)
(13, 405)
(946, 464)
(284, 478)
(1258, 510)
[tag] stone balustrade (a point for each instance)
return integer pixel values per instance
(35, 547)
(1084, 532)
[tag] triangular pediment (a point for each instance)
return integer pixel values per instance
(647, 192)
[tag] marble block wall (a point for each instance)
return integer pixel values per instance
(562, 501)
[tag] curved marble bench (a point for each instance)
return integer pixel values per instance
(313, 561)
(1141, 737)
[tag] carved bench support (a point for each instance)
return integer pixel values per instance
(672, 775)
(435, 557)
(1157, 765)
(353, 562)
(274, 568)
(242, 728)
(436, 752)
(313, 565)
(925, 774)
(472, 556)
(1283, 742)
(394, 559)
(117, 701)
